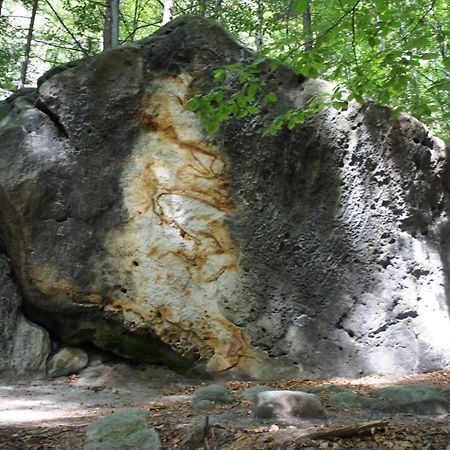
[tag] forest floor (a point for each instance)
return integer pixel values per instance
(53, 414)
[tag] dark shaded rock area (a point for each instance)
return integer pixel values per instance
(340, 227)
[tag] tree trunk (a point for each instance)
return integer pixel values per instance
(1, 4)
(115, 13)
(169, 11)
(135, 19)
(26, 60)
(260, 35)
(111, 25)
(307, 29)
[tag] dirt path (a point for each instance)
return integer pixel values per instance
(53, 414)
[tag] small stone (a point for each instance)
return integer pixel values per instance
(288, 404)
(126, 429)
(213, 393)
(251, 393)
(67, 361)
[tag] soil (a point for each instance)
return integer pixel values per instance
(53, 414)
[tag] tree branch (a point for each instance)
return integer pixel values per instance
(82, 49)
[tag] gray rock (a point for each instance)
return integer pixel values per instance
(24, 346)
(205, 405)
(126, 429)
(327, 244)
(282, 404)
(326, 389)
(213, 393)
(414, 398)
(348, 400)
(67, 361)
(252, 392)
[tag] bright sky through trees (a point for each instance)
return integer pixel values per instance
(396, 52)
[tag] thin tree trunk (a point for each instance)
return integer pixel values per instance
(26, 60)
(260, 35)
(307, 28)
(135, 19)
(1, 4)
(115, 13)
(111, 25)
(169, 11)
(107, 25)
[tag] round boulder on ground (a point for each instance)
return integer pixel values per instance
(67, 361)
(414, 398)
(282, 404)
(214, 393)
(124, 430)
(252, 392)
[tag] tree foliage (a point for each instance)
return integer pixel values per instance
(395, 52)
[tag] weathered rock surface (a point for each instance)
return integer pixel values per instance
(214, 393)
(67, 361)
(126, 429)
(324, 248)
(252, 392)
(24, 346)
(282, 404)
(414, 399)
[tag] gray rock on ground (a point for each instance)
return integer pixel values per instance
(214, 393)
(67, 361)
(347, 400)
(24, 346)
(204, 405)
(415, 399)
(126, 429)
(284, 404)
(252, 392)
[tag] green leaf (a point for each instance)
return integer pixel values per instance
(271, 97)
(300, 6)
(219, 74)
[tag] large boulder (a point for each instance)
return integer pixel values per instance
(321, 251)
(24, 346)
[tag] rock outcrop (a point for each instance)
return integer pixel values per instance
(24, 346)
(323, 250)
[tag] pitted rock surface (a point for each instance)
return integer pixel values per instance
(321, 251)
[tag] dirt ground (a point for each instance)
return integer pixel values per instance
(53, 414)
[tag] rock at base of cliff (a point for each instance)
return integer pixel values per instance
(67, 361)
(24, 346)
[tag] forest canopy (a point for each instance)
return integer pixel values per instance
(394, 52)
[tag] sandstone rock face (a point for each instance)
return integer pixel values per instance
(321, 251)
(24, 346)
